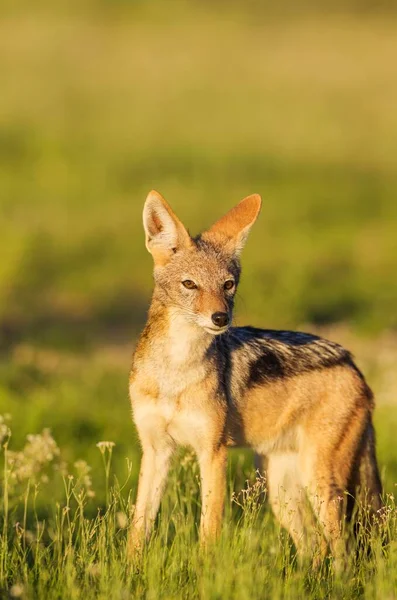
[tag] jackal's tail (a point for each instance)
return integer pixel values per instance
(366, 504)
(370, 486)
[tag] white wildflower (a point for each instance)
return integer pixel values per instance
(38, 452)
(103, 446)
(84, 480)
(253, 495)
(5, 431)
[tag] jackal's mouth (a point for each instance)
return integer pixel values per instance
(216, 330)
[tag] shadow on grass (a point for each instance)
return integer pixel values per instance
(43, 308)
(118, 320)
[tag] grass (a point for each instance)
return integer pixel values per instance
(72, 553)
(100, 102)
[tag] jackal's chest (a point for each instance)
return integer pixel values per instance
(163, 422)
(174, 391)
(174, 406)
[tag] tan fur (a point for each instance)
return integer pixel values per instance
(233, 228)
(162, 252)
(295, 398)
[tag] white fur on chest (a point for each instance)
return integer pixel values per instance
(178, 368)
(173, 381)
(163, 422)
(179, 361)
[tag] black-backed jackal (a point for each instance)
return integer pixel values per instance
(293, 397)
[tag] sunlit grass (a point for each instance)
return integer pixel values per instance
(75, 553)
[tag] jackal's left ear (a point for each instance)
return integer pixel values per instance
(165, 234)
(234, 227)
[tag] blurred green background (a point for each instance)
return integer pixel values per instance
(207, 102)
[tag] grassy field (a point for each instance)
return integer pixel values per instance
(100, 102)
(69, 554)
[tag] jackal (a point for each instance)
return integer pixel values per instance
(293, 397)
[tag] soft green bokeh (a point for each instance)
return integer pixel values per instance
(102, 101)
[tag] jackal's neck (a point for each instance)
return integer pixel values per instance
(170, 332)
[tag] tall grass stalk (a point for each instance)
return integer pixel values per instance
(4, 541)
(106, 450)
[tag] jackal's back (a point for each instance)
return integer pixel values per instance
(281, 385)
(271, 354)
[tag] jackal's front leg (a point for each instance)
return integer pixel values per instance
(152, 478)
(213, 487)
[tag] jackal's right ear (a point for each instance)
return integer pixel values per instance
(165, 234)
(232, 230)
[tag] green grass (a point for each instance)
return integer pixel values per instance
(72, 552)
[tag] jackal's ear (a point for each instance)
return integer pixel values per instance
(232, 230)
(165, 234)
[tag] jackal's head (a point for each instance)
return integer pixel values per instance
(198, 277)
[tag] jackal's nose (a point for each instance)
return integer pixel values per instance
(220, 319)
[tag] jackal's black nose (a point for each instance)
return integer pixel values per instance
(220, 319)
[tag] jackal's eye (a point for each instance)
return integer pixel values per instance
(228, 285)
(189, 284)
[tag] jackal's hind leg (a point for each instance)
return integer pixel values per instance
(329, 505)
(289, 502)
(327, 466)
